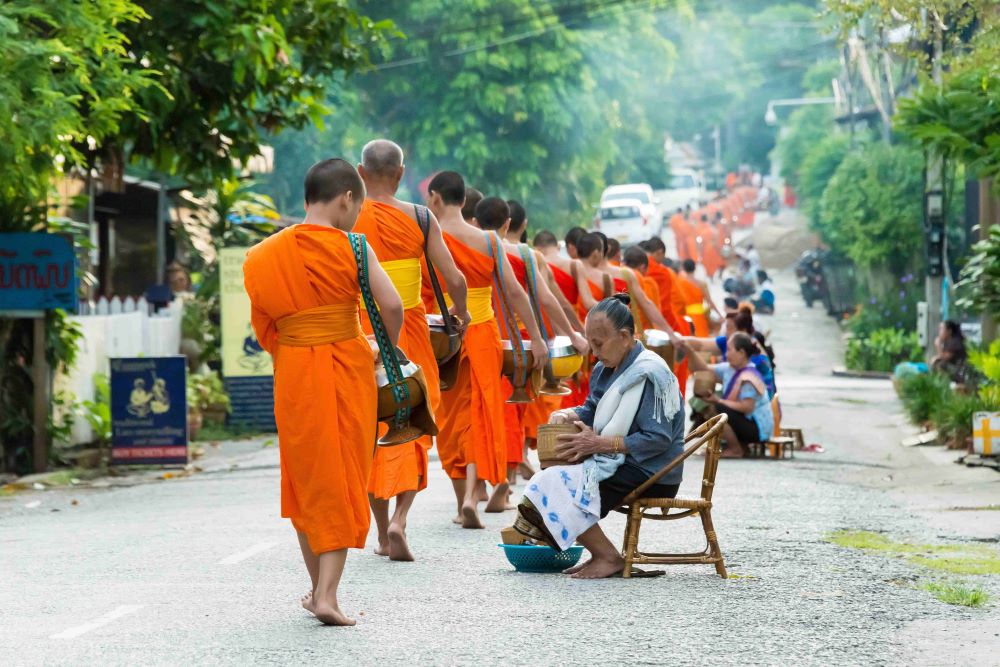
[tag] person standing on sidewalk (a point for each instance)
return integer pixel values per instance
(304, 298)
(398, 237)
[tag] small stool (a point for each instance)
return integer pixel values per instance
(796, 433)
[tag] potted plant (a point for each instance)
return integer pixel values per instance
(207, 398)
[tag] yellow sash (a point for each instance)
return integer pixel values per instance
(480, 303)
(320, 326)
(695, 309)
(405, 277)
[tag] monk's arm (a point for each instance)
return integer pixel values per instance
(522, 306)
(583, 287)
(454, 281)
(264, 328)
(651, 311)
(707, 298)
(550, 306)
(389, 304)
(702, 344)
(567, 308)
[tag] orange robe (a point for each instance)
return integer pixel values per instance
(682, 230)
(325, 398)
(711, 259)
(692, 238)
(579, 384)
(672, 307)
(695, 305)
(471, 423)
(398, 241)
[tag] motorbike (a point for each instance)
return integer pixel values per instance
(812, 282)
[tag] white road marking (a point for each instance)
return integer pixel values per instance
(112, 615)
(246, 553)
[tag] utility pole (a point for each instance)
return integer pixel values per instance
(717, 136)
(934, 220)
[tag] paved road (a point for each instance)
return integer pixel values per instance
(201, 570)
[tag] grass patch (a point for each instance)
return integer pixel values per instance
(982, 508)
(733, 575)
(215, 432)
(960, 565)
(957, 594)
(869, 541)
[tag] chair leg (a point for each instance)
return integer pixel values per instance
(632, 539)
(713, 542)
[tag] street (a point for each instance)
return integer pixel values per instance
(202, 570)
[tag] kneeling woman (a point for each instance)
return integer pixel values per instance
(632, 425)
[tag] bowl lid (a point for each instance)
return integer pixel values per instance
(657, 338)
(381, 379)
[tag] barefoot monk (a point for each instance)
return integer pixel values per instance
(305, 298)
(471, 440)
(399, 238)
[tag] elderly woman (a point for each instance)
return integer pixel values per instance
(744, 395)
(631, 426)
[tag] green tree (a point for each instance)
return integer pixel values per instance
(815, 172)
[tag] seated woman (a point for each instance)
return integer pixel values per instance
(763, 356)
(632, 425)
(951, 356)
(744, 396)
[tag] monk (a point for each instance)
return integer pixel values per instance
(391, 227)
(693, 251)
(572, 236)
(471, 440)
(596, 266)
(614, 253)
(304, 301)
(472, 199)
(711, 259)
(698, 299)
(522, 420)
(682, 230)
(672, 304)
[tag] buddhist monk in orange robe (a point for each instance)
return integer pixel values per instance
(304, 300)
(522, 420)
(698, 298)
(471, 440)
(682, 232)
(397, 237)
(711, 258)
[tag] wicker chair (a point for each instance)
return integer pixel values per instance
(638, 508)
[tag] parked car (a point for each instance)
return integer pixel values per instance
(624, 220)
(642, 193)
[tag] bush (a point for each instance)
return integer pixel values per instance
(921, 394)
(952, 417)
(883, 349)
(817, 169)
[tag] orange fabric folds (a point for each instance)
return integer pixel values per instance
(304, 300)
(398, 242)
(471, 419)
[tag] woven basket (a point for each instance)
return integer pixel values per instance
(547, 441)
(509, 535)
(704, 383)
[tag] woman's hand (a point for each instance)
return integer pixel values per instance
(712, 398)
(562, 417)
(580, 344)
(578, 446)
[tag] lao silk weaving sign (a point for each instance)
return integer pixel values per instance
(986, 433)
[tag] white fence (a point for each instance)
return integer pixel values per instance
(117, 328)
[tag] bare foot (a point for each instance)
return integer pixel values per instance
(481, 494)
(498, 502)
(398, 548)
(457, 518)
(525, 471)
(731, 453)
(600, 569)
(330, 615)
(382, 549)
(470, 517)
(307, 602)
(576, 568)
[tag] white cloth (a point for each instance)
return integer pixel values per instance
(568, 497)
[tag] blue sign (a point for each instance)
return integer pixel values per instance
(252, 400)
(37, 272)
(149, 411)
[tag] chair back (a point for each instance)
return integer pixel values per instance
(776, 414)
(710, 434)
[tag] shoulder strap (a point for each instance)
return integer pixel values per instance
(424, 221)
(387, 350)
(502, 300)
(609, 286)
(531, 279)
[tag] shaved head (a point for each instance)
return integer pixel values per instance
(472, 199)
(331, 178)
(382, 158)
(492, 213)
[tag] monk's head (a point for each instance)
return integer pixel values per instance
(472, 199)
(518, 219)
(382, 165)
(334, 193)
(656, 249)
(545, 241)
(446, 189)
(614, 253)
(610, 330)
(590, 249)
(704, 217)
(635, 258)
(572, 236)
(689, 266)
(493, 214)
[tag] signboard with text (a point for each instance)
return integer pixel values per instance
(247, 369)
(37, 272)
(149, 410)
